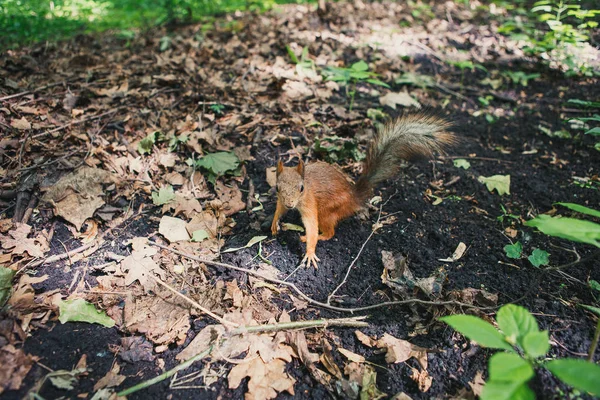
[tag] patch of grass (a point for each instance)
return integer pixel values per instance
(24, 22)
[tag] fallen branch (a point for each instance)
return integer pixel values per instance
(315, 302)
(13, 96)
(72, 123)
(343, 322)
(166, 374)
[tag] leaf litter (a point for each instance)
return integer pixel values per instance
(172, 129)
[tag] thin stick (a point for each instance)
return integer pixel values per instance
(355, 322)
(315, 302)
(77, 122)
(594, 344)
(343, 282)
(166, 374)
(195, 304)
(12, 96)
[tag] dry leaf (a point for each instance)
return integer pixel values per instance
(398, 350)
(392, 99)
(140, 266)
(173, 229)
(15, 366)
(18, 242)
(266, 380)
(111, 379)
(21, 124)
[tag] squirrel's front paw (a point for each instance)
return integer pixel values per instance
(311, 259)
(274, 228)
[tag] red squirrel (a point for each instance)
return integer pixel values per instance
(323, 194)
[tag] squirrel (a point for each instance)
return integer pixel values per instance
(324, 196)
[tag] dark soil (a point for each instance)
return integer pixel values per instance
(423, 232)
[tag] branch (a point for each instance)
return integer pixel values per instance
(309, 299)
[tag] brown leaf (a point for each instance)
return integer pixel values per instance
(21, 124)
(173, 229)
(398, 350)
(111, 379)
(231, 198)
(15, 366)
(18, 242)
(266, 379)
(140, 265)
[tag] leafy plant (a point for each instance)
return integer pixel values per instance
(336, 148)
(507, 215)
(218, 164)
(358, 72)
(537, 257)
(524, 347)
(217, 108)
(573, 229)
(304, 66)
(146, 144)
(520, 77)
(583, 121)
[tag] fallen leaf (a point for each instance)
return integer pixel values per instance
(15, 367)
(173, 229)
(398, 350)
(404, 99)
(140, 266)
(458, 253)
(111, 379)
(266, 380)
(21, 124)
(500, 183)
(231, 198)
(18, 242)
(79, 310)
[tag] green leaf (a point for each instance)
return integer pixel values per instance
(496, 390)
(79, 310)
(6, 275)
(594, 131)
(292, 55)
(536, 344)
(145, 145)
(378, 82)
(568, 228)
(164, 195)
(199, 235)
(513, 250)
(539, 257)
(581, 209)
(594, 310)
(462, 163)
(594, 284)
(510, 367)
(478, 330)
(580, 374)
(251, 242)
(219, 163)
(515, 322)
(360, 66)
(499, 182)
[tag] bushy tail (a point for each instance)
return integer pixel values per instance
(407, 138)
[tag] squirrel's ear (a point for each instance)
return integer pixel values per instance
(300, 168)
(279, 167)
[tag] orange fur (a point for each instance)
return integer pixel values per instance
(324, 196)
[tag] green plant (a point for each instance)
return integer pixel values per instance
(358, 72)
(506, 215)
(524, 348)
(305, 66)
(335, 148)
(574, 229)
(582, 122)
(217, 108)
(520, 77)
(217, 164)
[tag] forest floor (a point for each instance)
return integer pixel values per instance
(95, 159)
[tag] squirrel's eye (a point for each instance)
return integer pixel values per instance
(301, 187)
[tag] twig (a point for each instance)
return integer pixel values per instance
(475, 158)
(343, 282)
(12, 96)
(77, 122)
(315, 302)
(594, 344)
(452, 92)
(195, 304)
(166, 374)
